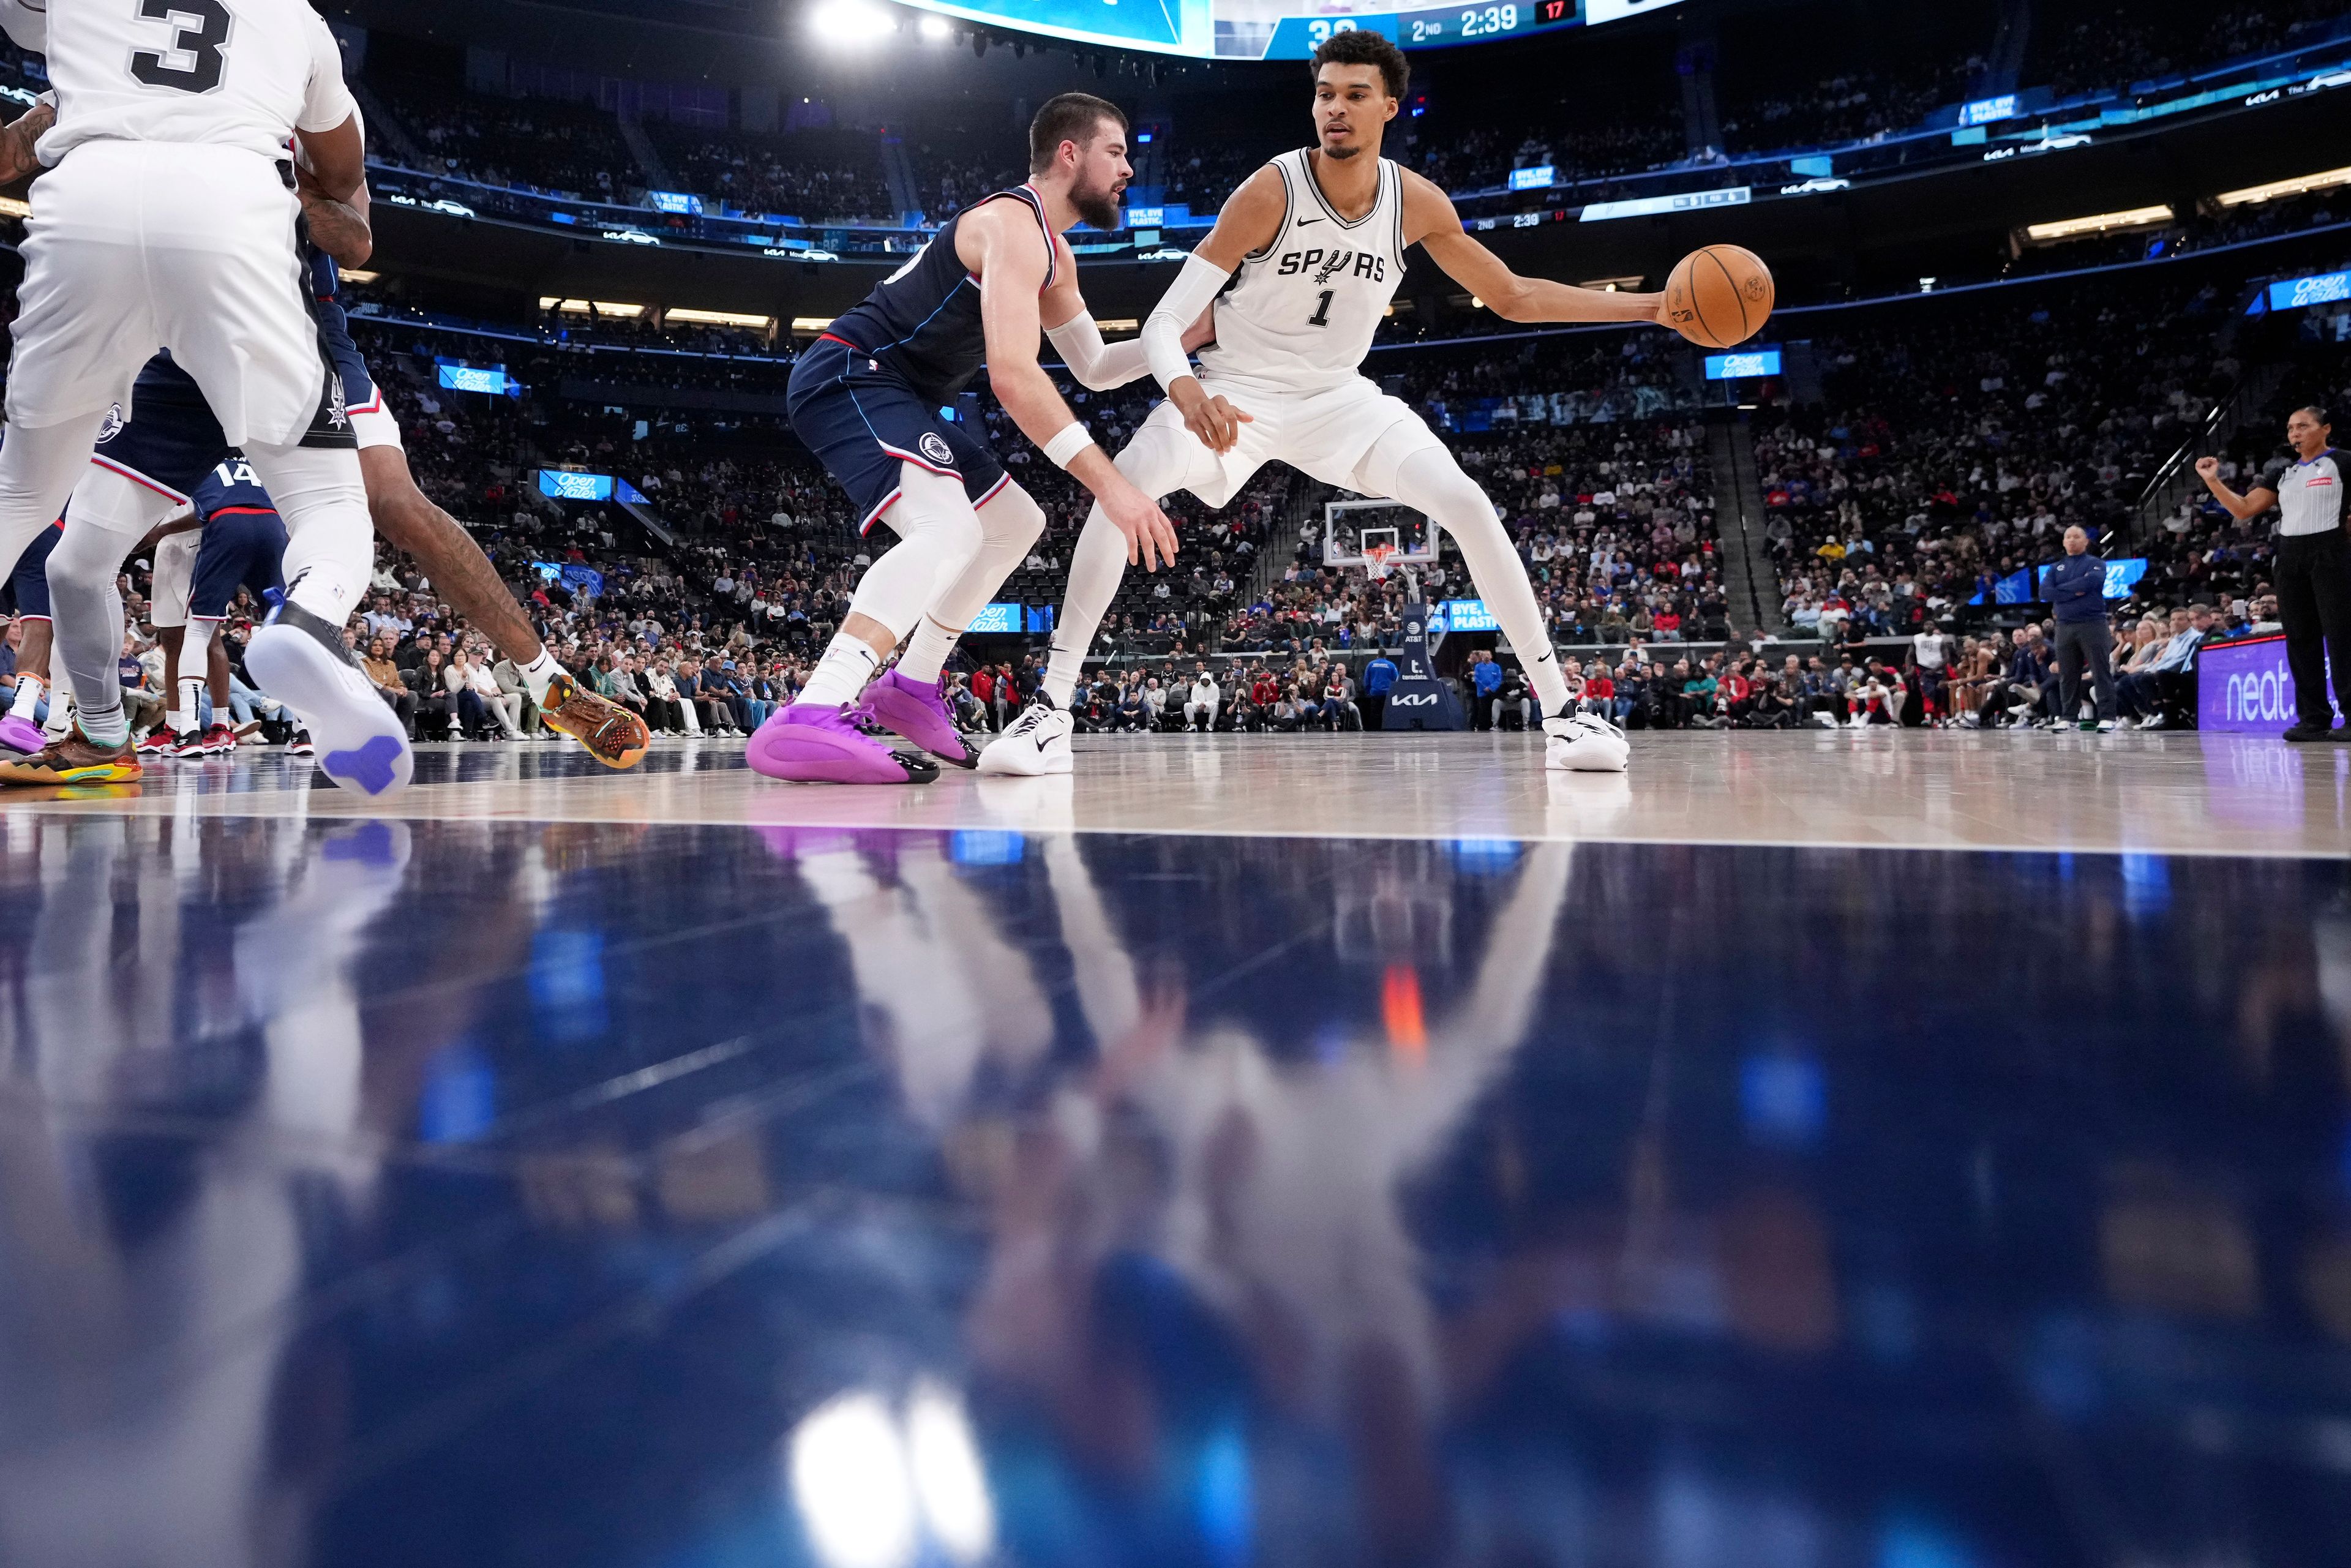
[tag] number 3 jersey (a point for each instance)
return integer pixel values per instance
(1299, 315)
(227, 73)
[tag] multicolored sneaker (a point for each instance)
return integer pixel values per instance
(21, 735)
(157, 742)
(810, 745)
(611, 734)
(918, 710)
(76, 759)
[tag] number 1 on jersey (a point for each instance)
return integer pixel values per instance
(1321, 316)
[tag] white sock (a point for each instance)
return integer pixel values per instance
(539, 673)
(29, 698)
(842, 673)
(925, 658)
(330, 541)
(192, 703)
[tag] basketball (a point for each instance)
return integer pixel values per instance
(1718, 296)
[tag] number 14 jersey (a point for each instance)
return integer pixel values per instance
(1299, 315)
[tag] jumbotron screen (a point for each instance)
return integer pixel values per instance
(1286, 29)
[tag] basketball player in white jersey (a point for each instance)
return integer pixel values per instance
(167, 219)
(1319, 238)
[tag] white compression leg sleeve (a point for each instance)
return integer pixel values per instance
(329, 538)
(107, 514)
(88, 614)
(1159, 461)
(1008, 524)
(938, 535)
(1431, 481)
(39, 466)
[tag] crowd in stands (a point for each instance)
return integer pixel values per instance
(2081, 43)
(544, 144)
(810, 174)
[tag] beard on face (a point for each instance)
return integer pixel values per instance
(1098, 205)
(1340, 153)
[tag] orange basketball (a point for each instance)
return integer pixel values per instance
(1719, 295)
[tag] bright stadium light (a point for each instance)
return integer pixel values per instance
(2274, 189)
(2097, 223)
(852, 22)
(936, 29)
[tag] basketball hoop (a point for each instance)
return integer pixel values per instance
(1379, 559)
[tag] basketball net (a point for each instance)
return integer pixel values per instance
(1379, 559)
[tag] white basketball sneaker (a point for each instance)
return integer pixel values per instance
(1585, 743)
(1038, 743)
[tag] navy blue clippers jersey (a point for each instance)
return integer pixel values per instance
(230, 486)
(922, 322)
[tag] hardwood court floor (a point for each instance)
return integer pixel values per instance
(1332, 1151)
(2167, 793)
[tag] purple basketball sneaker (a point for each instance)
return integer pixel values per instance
(918, 710)
(809, 744)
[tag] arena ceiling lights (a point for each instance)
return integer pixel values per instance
(2294, 187)
(717, 318)
(1242, 29)
(2097, 223)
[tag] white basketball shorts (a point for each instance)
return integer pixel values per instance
(132, 246)
(1352, 435)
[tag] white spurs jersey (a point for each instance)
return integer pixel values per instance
(223, 73)
(1301, 313)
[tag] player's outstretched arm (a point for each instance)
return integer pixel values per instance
(1250, 221)
(2252, 504)
(1100, 366)
(1430, 221)
(1001, 242)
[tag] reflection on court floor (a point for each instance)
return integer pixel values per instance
(503, 1191)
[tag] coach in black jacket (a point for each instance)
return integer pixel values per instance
(2078, 591)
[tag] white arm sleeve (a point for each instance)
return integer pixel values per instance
(1195, 289)
(1099, 366)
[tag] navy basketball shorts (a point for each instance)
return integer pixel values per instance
(372, 422)
(29, 584)
(172, 441)
(241, 547)
(864, 422)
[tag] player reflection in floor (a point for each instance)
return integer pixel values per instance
(1187, 1174)
(226, 1109)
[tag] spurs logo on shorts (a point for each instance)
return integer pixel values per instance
(935, 448)
(338, 406)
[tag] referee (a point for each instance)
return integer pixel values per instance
(2313, 569)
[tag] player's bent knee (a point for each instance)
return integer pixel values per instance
(1012, 518)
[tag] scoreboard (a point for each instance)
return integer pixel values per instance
(1285, 29)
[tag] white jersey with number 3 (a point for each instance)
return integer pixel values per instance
(1301, 314)
(223, 73)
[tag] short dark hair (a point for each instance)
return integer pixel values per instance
(1071, 116)
(1361, 47)
(2316, 412)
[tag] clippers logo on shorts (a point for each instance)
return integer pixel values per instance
(113, 425)
(1341, 263)
(936, 450)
